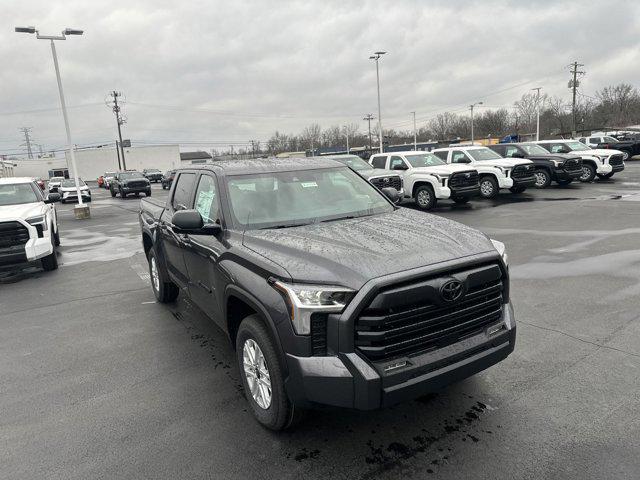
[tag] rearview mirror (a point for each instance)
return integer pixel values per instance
(392, 194)
(52, 198)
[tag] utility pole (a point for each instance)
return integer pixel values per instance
(537, 112)
(376, 56)
(118, 153)
(368, 118)
(27, 141)
(574, 84)
(471, 107)
(119, 121)
(415, 133)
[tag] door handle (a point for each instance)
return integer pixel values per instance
(184, 238)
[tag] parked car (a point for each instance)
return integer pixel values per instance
(107, 178)
(40, 183)
(152, 174)
(427, 178)
(495, 172)
(379, 178)
(54, 184)
(100, 181)
(629, 148)
(28, 224)
(167, 179)
(549, 167)
(125, 183)
(69, 193)
(595, 161)
(329, 292)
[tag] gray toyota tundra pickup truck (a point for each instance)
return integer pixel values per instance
(329, 292)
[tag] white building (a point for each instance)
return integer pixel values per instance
(6, 168)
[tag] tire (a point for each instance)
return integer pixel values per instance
(278, 412)
(50, 262)
(56, 237)
(588, 173)
(137, 194)
(122, 194)
(62, 201)
(164, 289)
(425, 198)
(488, 187)
(517, 189)
(113, 192)
(604, 176)
(564, 183)
(164, 187)
(461, 200)
(625, 155)
(147, 193)
(543, 179)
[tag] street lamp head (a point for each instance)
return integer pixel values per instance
(379, 53)
(480, 103)
(72, 31)
(26, 29)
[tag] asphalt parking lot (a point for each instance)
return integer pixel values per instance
(97, 380)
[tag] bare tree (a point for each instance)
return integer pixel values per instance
(311, 136)
(442, 125)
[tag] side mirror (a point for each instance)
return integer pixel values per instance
(190, 221)
(517, 155)
(563, 150)
(392, 194)
(463, 160)
(52, 198)
(400, 166)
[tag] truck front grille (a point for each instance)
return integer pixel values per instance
(573, 165)
(404, 320)
(136, 184)
(521, 172)
(616, 160)
(391, 181)
(13, 234)
(464, 179)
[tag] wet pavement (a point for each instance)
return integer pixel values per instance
(99, 381)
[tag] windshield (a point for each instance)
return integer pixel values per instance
(423, 160)
(354, 162)
(285, 199)
(576, 146)
(128, 175)
(70, 182)
(533, 149)
(483, 154)
(17, 193)
(152, 170)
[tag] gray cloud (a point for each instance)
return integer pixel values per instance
(240, 70)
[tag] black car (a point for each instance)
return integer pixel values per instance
(167, 179)
(152, 174)
(329, 292)
(561, 168)
(125, 183)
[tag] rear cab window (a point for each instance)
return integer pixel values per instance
(183, 190)
(379, 161)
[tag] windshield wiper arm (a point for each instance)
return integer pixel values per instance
(285, 225)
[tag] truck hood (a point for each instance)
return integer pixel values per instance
(605, 152)
(73, 189)
(351, 252)
(504, 162)
(23, 211)
(444, 170)
(378, 172)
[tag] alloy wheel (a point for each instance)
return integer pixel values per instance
(486, 188)
(424, 198)
(541, 179)
(257, 373)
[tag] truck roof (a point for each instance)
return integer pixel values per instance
(267, 165)
(14, 180)
(403, 152)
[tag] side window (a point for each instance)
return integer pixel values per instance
(458, 156)
(583, 140)
(207, 199)
(397, 162)
(183, 190)
(379, 161)
(556, 147)
(509, 151)
(441, 155)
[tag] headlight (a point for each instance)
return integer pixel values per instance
(303, 300)
(499, 246)
(38, 220)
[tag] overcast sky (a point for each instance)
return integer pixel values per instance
(233, 71)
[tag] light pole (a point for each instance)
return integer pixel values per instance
(471, 107)
(415, 133)
(376, 56)
(81, 210)
(537, 112)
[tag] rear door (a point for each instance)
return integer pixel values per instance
(174, 243)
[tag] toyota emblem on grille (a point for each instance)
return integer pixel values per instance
(451, 290)
(467, 175)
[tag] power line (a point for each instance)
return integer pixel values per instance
(43, 110)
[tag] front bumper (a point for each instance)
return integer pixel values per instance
(560, 174)
(73, 195)
(617, 168)
(442, 192)
(35, 248)
(524, 182)
(472, 191)
(127, 189)
(505, 182)
(603, 169)
(349, 380)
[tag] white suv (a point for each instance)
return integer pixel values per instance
(426, 178)
(603, 162)
(28, 224)
(495, 172)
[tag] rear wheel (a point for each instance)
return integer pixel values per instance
(604, 176)
(488, 187)
(425, 198)
(122, 194)
(262, 376)
(164, 289)
(543, 179)
(588, 173)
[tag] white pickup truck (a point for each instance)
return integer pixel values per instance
(28, 224)
(603, 162)
(427, 179)
(495, 172)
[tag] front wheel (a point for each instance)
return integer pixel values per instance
(588, 173)
(604, 176)
(50, 262)
(488, 187)
(425, 198)
(113, 192)
(164, 289)
(543, 179)
(262, 375)
(147, 193)
(122, 194)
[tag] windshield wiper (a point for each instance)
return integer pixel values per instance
(347, 217)
(285, 225)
